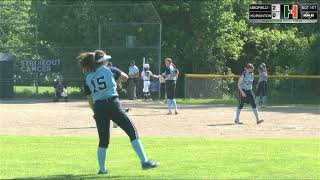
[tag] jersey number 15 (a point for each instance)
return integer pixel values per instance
(100, 83)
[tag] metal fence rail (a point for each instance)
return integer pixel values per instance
(281, 88)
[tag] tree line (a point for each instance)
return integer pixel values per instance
(200, 36)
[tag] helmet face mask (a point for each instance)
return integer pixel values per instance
(146, 66)
(261, 68)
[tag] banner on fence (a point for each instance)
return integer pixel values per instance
(43, 65)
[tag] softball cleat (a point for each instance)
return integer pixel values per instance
(260, 121)
(104, 172)
(150, 164)
(238, 122)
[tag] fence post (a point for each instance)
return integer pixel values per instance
(185, 86)
(37, 51)
(37, 84)
(159, 55)
(292, 95)
(99, 32)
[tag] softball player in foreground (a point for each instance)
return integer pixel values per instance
(100, 90)
(246, 95)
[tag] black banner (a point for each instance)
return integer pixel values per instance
(38, 65)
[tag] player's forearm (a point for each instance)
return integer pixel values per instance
(154, 76)
(239, 83)
(123, 77)
(137, 74)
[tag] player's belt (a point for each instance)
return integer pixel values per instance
(110, 99)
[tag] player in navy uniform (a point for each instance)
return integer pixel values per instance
(262, 85)
(246, 95)
(100, 90)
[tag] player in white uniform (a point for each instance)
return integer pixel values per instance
(146, 74)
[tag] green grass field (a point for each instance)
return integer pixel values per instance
(42, 89)
(51, 157)
(75, 92)
(207, 101)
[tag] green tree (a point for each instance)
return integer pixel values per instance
(16, 28)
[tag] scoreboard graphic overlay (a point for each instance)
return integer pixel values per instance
(283, 13)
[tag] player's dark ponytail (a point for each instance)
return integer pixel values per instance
(87, 62)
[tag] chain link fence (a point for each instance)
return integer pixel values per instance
(60, 30)
(280, 89)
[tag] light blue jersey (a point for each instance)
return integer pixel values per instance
(171, 71)
(247, 81)
(263, 76)
(102, 84)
